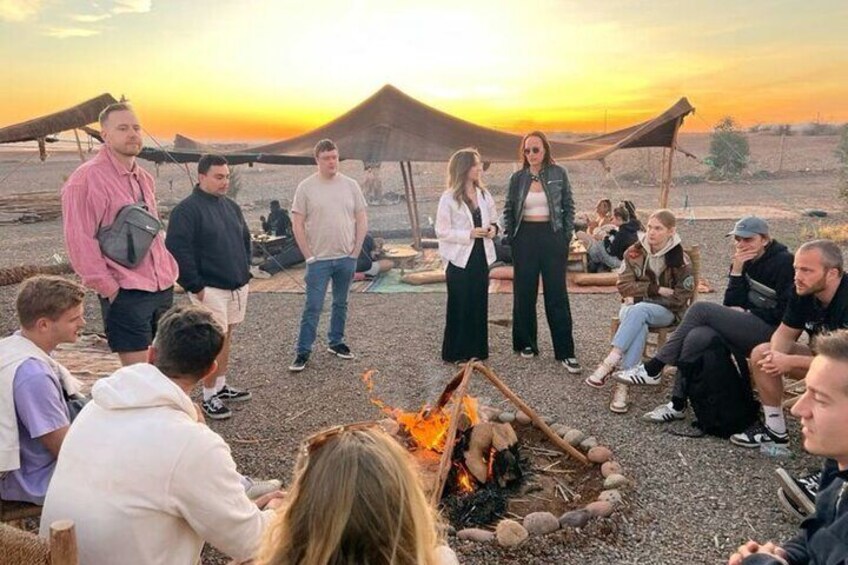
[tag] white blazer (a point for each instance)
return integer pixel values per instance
(454, 224)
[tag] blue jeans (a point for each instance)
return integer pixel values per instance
(598, 256)
(318, 276)
(633, 331)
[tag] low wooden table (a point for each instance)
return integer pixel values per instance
(403, 255)
(265, 245)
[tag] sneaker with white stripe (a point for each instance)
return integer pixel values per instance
(664, 413)
(636, 376)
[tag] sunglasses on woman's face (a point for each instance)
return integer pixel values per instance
(532, 150)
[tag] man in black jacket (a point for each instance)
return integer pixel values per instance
(823, 411)
(209, 238)
(760, 284)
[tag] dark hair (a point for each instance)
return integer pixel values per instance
(324, 145)
(830, 253)
(187, 341)
(209, 160)
(116, 107)
(48, 297)
(274, 204)
(547, 160)
(631, 209)
(621, 213)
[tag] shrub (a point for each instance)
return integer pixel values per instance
(729, 151)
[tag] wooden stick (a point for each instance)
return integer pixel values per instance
(447, 454)
(63, 543)
(534, 417)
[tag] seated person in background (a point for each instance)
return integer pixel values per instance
(823, 411)
(356, 498)
(602, 222)
(631, 209)
(34, 415)
(760, 285)
(143, 480)
(278, 223)
(368, 264)
(818, 305)
(606, 252)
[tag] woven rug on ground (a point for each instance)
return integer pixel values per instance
(89, 359)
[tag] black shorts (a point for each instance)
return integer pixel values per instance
(130, 320)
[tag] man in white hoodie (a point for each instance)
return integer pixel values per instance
(142, 479)
(34, 416)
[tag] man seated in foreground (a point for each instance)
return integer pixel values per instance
(34, 415)
(819, 305)
(142, 479)
(823, 411)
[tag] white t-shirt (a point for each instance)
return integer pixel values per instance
(329, 207)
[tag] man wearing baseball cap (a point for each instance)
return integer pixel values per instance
(758, 289)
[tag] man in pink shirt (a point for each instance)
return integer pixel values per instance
(131, 299)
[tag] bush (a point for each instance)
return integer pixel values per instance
(842, 148)
(729, 151)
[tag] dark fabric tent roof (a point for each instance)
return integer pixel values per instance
(71, 118)
(391, 126)
(174, 156)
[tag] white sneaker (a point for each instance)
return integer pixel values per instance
(636, 376)
(620, 402)
(258, 273)
(664, 413)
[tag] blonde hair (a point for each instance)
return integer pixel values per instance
(666, 217)
(458, 166)
(356, 499)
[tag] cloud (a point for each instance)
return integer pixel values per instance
(19, 10)
(89, 18)
(132, 6)
(68, 32)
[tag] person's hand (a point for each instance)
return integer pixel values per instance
(739, 260)
(775, 363)
(310, 260)
(477, 233)
(272, 500)
(112, 298)
(752, 547)
(665, 291)
(492, 232)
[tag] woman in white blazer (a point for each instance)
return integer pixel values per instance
(465, 226)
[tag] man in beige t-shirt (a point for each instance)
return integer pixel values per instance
(329, 223)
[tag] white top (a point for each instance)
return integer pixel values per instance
(454, 224)
(536, 204)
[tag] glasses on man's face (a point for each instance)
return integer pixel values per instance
(316, 441)
(533, 150)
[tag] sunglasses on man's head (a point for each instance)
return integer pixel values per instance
(532, 150)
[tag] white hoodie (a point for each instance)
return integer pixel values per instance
(145, 483)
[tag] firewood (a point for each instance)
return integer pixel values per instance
(479, 444)
(503, 436)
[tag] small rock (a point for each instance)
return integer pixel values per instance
(610, 467)
(615, 480)
(510, 533)
(540, 523)
(600, 508)
(506, 417)
(450, 530)
(560, 429)
(548, 420)
(588, 443)
(475, 534)
(522, 418)
(612, 496)
(599, 454)
(446, 556)
(574, 437)
(489, 413)
(389, 426)
(575, 518)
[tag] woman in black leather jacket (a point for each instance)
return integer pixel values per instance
(539, 221)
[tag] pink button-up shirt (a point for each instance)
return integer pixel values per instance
(91, 198)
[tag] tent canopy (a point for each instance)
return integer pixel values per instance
(392, 126)
(71, 118)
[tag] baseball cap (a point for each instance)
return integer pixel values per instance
(750, 226)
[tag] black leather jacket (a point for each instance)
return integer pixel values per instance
(560, 201)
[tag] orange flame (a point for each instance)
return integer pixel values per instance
(464, 480)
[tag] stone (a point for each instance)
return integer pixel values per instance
(610, 467)
(560, 429)
(548, 420)
(615, 480)
(510, 533)
(612, 496)
(574, 437)
(446, 556)
(475, 534)
(588, 443)
(540, 523)
(575, 518)
(522, 418)
(489, 413)
(600, 508)
(599, 454)
(506, 417)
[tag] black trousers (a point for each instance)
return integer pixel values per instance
(537, 249)
(467, 320)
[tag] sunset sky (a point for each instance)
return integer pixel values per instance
(262, 70)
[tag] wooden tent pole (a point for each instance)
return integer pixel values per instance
(79, 145)
(407, 192)
(42, 149)
(666, 166)
(416, 225)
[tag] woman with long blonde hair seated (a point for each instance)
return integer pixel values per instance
(356, 499)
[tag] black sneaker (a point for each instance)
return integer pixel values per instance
(802, 490)
(215, 409)
(791, 506)
(299, 362)
(341, 350)
(572, 366)
(527, 353)
(231, 394)
(758, 434)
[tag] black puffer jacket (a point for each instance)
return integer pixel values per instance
(560, 201)
(617, 242)
(774, 270)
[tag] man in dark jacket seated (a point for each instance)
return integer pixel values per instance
(823, 411)
(278, 223)
(366, 263)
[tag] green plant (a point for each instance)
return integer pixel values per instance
(729, 150)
